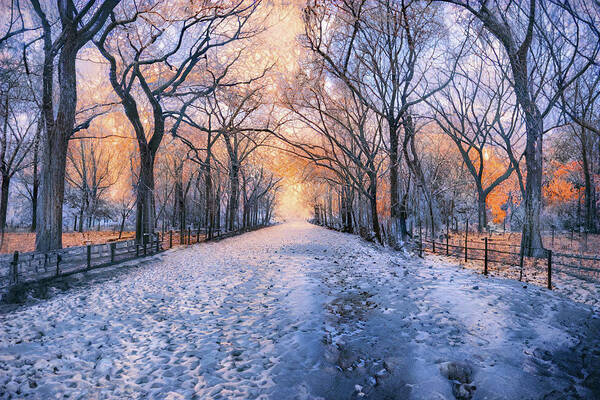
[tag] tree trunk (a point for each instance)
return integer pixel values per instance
(233, 206)
(431, 216)
(246, 214)
(34, 190)
(347, 199)
(591, 219)
(208, 206)
(180, 209)
(481, 211)
(218, 207)
(145, 196)
(531, 241)
(4, 200)
(122, 225)
(80, 227)
(55, 146)
(373, 204)
(397, 215)
(52, 190)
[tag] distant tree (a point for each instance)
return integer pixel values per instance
(346, 141)
(91, 172)
(581, 107)
(18, 127)
(471, 110)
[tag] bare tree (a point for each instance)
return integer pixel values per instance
(65, 30)
(91, 172)
(475, 105)
(533, 34)
(390, 42)
(16, 131)
(348, 141)
(581, 107)
(244, 124)
(257, 184)
(177, 46)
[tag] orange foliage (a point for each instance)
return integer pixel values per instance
(494, 167)
(560, 188)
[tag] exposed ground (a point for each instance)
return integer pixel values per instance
(299, 312)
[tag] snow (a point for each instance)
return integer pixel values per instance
(299, 312)
(566, 282)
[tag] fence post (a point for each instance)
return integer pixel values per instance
(198, 235)
(89, 255)
(112, 252)
(58, 260)
(550, 269)
(485, 258)
(571, 238)
(466, 240)
(171, 239)
(447, 237)
(521, 265)
(15, 268)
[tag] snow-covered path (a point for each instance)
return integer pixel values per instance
(297, 311)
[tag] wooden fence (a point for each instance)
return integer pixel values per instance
(20, 268)
(494, 254)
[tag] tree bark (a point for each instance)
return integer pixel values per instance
(80, 226)
(4, 200)
(59, 129)
(591, 217)
(233, 206)
(35, 184)
(54, 156)
(373, 205)
(145, 196)
(52, 189)
(397, 214)
(531, 241)
(180, 208)
(481, 211)
(122, 224)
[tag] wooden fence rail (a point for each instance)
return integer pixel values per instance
(579, 266)
(19, 268)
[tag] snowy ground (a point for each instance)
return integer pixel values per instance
(299, 312)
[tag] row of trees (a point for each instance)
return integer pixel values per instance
(404, 112)
(175, 70)
(387, 83)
